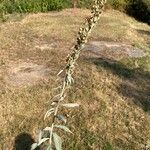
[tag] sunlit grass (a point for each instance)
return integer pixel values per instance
(112, 94)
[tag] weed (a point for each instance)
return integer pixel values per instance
(58, 99)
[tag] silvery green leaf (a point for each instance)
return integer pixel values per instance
(60, 72)
(62, 98)
(48, 113)
(62, 118)
(72, 80)
(57, 141)
(53, 103)
(49, 148)
(52, 109)
(70, 105)
(56, 96)
(47, 129)
(63, 127)
(42, 141)
(34, 146)
(69, 79)
(40, 135)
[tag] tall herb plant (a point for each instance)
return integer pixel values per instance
(52, 139)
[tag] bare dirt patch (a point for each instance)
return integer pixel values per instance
(114, 50)
(26, 74)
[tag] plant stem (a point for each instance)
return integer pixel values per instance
(71, 60)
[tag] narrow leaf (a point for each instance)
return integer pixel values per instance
(60, 72)
(72, 80)
(63, 127)
(56, 97)
(53, 103)
(42, 141)
(49, 148)
(48, 113)
(34, 146)
(40, 135)
(47, 129)
(69, 78)
(63, 97)
(57, 141)
(70, 105)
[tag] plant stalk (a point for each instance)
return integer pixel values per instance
(71, 60)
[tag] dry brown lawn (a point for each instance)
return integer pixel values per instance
(113, 91)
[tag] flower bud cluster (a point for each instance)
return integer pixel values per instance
(83, 34)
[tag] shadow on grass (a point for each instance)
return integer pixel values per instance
(135, 83)
(143, 32)
(23, 142)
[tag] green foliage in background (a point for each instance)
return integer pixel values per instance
(119, 4)
(140, 9)
(85, 3)
(25, 6)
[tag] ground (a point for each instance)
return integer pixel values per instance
(112, 79)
